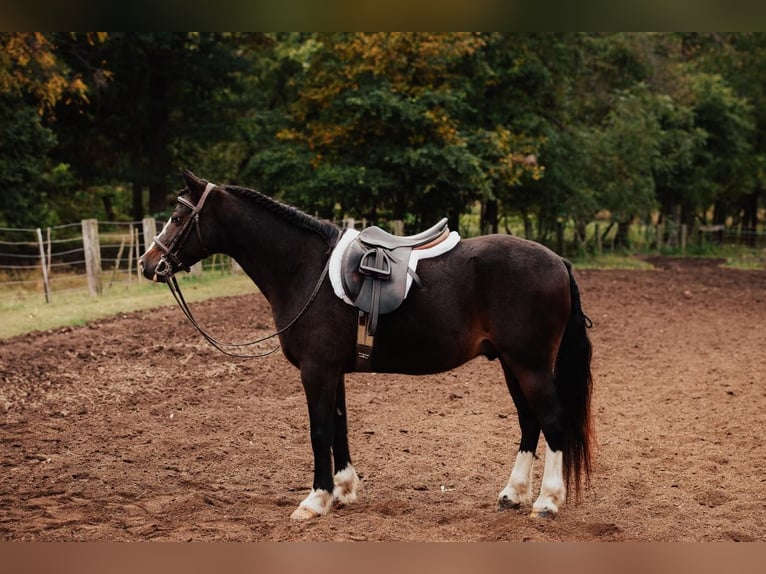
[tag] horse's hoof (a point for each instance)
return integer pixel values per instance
(543, 513)
(505, 503)
(303, 513)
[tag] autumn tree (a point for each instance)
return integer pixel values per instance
(387, 125)
(33, 80)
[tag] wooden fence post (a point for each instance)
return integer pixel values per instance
(149, 225)
(138, 256)
(131, 237)
(599, 247)
(116, 267)
(92, 250)
(44, 265)
(48, 239)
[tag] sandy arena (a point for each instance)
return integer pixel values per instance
(134, 428)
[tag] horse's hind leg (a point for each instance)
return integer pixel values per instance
(553, 490)
(539, 390)
(542, 404)
(518, 491)
(346, 480)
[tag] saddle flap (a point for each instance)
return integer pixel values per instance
(362, 269)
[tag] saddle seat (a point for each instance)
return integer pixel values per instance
(376, 237)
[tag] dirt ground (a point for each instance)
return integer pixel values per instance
(133, 428)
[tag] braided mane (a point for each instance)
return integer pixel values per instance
(326, 230)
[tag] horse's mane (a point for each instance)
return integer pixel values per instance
(324, 229)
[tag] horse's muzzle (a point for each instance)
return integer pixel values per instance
(155, 267)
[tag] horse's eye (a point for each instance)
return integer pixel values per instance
(175, 219)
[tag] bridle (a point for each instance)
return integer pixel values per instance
(170, 261)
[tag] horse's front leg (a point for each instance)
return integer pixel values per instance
(320, 386)
(346, 480)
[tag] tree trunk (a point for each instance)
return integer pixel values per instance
(621, 237)
(489, 218)
(750, 216)
(137, 212)
(719, 212)
(156, 136)
(527, 224)
(581, 232)
(108, 207)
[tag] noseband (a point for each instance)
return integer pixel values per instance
(170, 261)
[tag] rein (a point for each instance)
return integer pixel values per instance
(175, 289)
(170, 258)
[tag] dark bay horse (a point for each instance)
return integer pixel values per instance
(498, 296)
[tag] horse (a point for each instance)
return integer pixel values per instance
(497, 296)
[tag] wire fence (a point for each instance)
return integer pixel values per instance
(91, 254)
(99, 255)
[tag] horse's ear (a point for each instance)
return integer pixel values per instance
(195, 185)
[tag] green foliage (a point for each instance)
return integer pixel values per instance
(388, 126)
(541, 128)
(24, 152)
(158, 101)
(32, 81)
(621, 154)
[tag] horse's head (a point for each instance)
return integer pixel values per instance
(180, 244)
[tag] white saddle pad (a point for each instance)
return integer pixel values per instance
(416, 255)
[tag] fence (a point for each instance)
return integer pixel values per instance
(97, 255)
(93, 255)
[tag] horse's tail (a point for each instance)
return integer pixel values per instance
(573, 383)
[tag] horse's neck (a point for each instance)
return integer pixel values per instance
(280, 257)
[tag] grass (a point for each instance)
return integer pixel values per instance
(735, 257)
(746, 258)
(610, 261)
(26, 311)
(23, 312)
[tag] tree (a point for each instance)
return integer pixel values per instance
(384, 125)
(622, 157)
(32, 81)
(518, 95)
(730, 105)
(159, 102)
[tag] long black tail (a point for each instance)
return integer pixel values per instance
(574, 384)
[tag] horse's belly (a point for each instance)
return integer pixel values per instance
(420, 351)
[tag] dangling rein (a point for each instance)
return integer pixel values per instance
(175, 289)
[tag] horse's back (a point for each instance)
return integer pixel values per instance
(488, 293)
(500, 254)
(498, 264)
